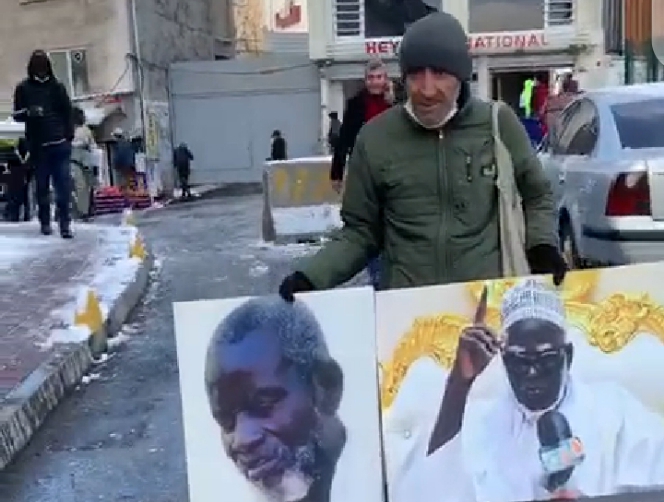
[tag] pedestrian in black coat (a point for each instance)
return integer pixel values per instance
(278, 150)
(20, 174)
(42, 103)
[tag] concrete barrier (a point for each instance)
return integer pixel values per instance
(299, 203)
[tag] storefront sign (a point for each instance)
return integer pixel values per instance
(488, 43)
(525, 40)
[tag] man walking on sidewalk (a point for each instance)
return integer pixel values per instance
(41, 102)
(182, 159)
(124, 161)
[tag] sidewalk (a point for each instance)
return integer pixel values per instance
(44, 281)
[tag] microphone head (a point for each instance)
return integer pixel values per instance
(560, 451)
(552, 429)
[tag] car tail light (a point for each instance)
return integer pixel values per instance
(629, 195)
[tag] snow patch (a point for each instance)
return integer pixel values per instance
(293, 250)
(118, 340)
(71, 334)
(258, 269)
(87, 379)
(113, 270)
(307, 220)
(301, 160)
(14, 250)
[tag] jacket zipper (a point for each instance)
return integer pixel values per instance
(440, 247)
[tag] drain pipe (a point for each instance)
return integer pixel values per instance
(138, 62)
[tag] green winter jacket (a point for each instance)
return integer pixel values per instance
(427, 200)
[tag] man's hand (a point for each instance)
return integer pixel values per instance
(35, 111)
(337, 185)
(297, 282)
(546, 259)
(478, 345)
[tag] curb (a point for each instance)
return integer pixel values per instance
(24, 409)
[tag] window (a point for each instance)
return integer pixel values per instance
(558, 12)
(486, 16)
(640, 123)
(71, 68)
(561, 125)
(578, 129)
(584, 141)
(347, 18)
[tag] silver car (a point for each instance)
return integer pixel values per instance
(605, 158)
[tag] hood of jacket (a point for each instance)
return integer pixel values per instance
(36, 58)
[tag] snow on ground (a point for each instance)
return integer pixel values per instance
(306, 220)
(14, 249)
(108, 277)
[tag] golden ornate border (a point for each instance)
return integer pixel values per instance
(609, 324)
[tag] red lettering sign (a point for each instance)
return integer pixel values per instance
(512, 41)
(386, 47)
(291, 16)
(383, 47)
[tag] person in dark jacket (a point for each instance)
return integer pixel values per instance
(421, 183)
(334, 131)
(375, 98)
(278, 150)
(124, 160)
(41, 101)
(20, 174)
(182, 158)
(372, 100)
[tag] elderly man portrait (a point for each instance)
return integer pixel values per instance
(492, 450)
(274, 390)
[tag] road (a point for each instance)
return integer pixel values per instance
(119, 437)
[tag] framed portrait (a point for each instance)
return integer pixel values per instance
(516, 390)
(280, 401)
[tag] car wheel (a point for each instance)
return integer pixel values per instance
(568, 246)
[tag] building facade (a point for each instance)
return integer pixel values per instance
(508, 39)
(112, 55)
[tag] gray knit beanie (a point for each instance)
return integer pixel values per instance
(437, 42)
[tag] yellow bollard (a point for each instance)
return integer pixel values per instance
(137, 249)
(88, 312)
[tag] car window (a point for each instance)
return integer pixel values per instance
(640, 123)
(579, 136)
(584, 141)
(560, 127)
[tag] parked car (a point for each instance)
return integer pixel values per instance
(605, 158)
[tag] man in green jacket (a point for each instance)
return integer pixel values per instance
(421, 180)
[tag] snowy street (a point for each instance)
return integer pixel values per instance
(59, 300)
(119, 437)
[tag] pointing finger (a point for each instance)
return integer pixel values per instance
(480, 313)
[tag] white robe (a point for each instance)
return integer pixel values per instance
(495, 456)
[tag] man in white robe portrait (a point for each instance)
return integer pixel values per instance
(487, 450)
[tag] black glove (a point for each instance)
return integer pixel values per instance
(297, 282)
(546, 259)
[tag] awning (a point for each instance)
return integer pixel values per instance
(95, 115)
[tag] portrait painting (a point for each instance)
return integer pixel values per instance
(280, 400)
(390, 18)
(515, 390)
